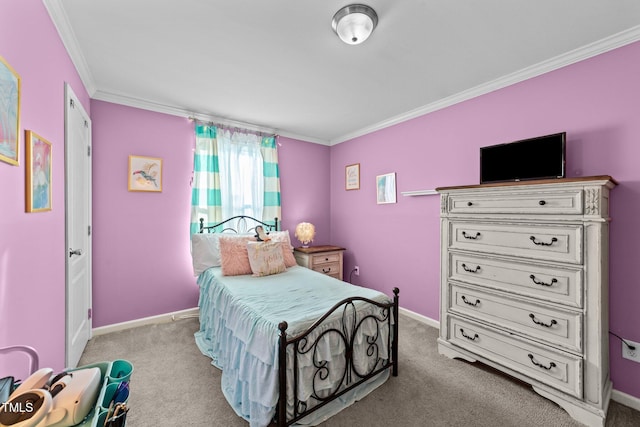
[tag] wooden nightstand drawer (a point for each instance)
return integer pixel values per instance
(323, 259)
(330, 268)
(327, 258)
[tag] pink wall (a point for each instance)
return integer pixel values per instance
(594, 101)
(304, 178)
(141, 261)
(32, 245)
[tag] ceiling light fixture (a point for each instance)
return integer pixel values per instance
(354, 23)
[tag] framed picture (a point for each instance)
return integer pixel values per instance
(386, 187)
(145, 173)
(38, 154)
(9, 113)
(352, 177)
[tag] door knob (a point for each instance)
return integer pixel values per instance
(73, 252)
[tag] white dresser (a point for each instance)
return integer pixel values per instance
(524, 285)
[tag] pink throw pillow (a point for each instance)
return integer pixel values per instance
(234, 259)
(287, 254)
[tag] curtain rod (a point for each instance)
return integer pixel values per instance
(236, 126)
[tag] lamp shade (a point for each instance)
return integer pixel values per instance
(354, 23)
(305, 232)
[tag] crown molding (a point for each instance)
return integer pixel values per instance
(585, 52)
(70, 42)
(181, 112)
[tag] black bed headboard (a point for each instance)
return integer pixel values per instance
(238, 224)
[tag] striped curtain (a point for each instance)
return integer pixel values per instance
(206, 201)
(271, 173)
(208, 198)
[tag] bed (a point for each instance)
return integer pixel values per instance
(295, 347)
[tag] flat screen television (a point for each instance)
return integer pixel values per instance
(534, 158)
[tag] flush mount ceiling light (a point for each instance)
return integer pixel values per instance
(354, 23)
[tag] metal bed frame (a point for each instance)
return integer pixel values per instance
(307, 342)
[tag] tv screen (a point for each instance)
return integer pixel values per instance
(534, 158)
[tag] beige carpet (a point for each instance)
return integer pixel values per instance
(173, 384)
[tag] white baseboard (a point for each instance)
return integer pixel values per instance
(620, 397)
(420, 318)
(626, 399)
(161, 318)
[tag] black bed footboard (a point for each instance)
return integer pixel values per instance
(367, 335)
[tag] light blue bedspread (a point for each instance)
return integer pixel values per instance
(239, 317)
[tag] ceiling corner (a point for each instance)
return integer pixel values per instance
(65, 31)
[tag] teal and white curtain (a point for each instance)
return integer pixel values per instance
(235, 173)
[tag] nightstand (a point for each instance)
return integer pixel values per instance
(323, 259)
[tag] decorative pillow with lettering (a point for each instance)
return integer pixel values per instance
(265, 258)
(234, 259)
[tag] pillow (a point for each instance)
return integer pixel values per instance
(281, 236)
(234, 259)
(287, 255)
(205, 250)
(265, 258)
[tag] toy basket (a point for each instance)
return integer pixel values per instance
(113, 375)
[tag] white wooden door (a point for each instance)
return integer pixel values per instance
(78, 227)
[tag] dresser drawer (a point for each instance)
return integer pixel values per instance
(567, 202)
(555, 284)
(558, 327)
(562, 243)
(330, 268)
(554, 368)
(326, 258)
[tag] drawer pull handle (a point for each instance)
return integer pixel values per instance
(542, 203)
(541, 283)
(469, 204)
(469, 337)
(470, 270)
(327, 270)
(326, 259)
(475, 304)
(533, 239)
(464, 234)
(551, 364)
(537, 322)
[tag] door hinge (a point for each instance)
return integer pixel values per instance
(89, 227)
(86, 124)
(89, 314)
(89, 151)
(72, 104)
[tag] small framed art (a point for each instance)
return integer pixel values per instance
(9, 113)
(145, 173)
(386, 187)
(352, 177)
(38, 155)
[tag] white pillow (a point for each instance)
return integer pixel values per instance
(281, 236)
(205, 250)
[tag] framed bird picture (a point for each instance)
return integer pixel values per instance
(145, 173)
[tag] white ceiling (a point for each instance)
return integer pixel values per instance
(277, 65)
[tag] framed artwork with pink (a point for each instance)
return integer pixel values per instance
(38, 173)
